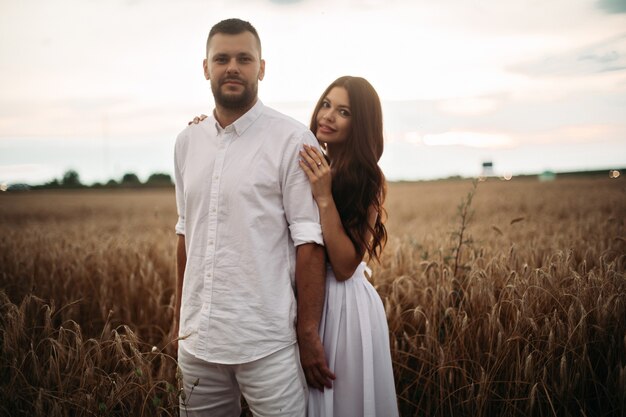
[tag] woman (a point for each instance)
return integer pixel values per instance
(349, 189)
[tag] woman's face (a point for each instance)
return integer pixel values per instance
(334, 117)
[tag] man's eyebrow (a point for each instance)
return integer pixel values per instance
(239, 54)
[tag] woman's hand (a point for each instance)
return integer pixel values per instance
(317, 169)
(197, 119)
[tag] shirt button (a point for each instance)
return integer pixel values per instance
(217, 177)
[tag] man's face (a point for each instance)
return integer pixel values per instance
(234, 67)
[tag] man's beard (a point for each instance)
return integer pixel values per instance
(235, 101)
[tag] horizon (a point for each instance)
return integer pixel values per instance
(611, 173)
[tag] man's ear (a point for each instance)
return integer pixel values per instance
(262, 70)
(205, 66)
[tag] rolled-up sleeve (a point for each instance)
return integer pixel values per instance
(180, 225)
(306, 233)
(300, 209)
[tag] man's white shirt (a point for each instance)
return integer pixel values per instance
(244, 204)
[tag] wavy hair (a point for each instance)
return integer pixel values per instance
(357, 181)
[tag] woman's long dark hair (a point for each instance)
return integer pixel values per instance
(358, 182)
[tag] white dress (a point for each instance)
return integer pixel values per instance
(355, 336)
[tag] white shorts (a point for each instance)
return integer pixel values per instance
(272, 386)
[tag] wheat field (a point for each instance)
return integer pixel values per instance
(505, 299)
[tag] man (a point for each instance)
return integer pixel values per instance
(247, 225)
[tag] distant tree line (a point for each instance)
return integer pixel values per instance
(71, 180)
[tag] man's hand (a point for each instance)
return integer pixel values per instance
(313, 361)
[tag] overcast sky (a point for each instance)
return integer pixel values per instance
(105, 87)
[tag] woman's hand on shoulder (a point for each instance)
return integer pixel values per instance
(197, 119)
(316, 168)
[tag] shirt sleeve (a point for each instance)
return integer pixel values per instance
(180, 191)
(301, 211)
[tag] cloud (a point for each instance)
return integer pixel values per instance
(582, 133)
(612, 6)
(605, 56)
(470, 106)
(470, 139)
(283, 2)
(115, 117)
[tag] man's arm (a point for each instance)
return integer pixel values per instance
(181, 261)
(310, 284)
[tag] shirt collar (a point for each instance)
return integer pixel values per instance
(245, 121)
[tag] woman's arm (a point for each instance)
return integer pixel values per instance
(342, 254)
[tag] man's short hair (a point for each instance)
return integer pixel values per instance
(233, 27)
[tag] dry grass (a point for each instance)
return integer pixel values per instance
(533, 322)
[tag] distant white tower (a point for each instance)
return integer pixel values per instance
(487, 169)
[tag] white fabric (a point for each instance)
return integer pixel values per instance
(283, 391)
(244, 204)
(355, 335)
